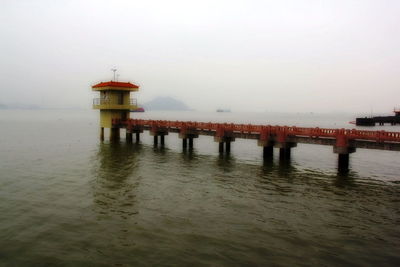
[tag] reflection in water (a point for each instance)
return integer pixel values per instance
(268, 167)
(159, 149)
(345, 179)
(226, 162)
(117, 160)
(189, 154)
(116, 179)
(286, 168)
(192, 204)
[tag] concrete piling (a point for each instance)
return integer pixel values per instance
(128, 137)
(114, 134)
(284, 153)
(343, 157)
(224, 142)
(221, 147)
(162, 139)
(101, 133)
(190, 142)
(228, 146)
(343, 162)
(268, 152)
(187, 136)
(155, 140)
(184, 143)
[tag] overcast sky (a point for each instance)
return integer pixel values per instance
(299, 55)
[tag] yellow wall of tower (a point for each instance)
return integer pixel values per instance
(106, 116)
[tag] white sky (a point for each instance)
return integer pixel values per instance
(287, 56)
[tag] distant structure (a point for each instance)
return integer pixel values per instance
(114, 103)
(223, 110)
(381, 120)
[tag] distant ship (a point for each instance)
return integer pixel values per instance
(223, 110)
(138, 110)
(381, 120)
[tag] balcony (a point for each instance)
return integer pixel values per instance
(100, 103)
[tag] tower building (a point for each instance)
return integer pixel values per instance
(114, 103)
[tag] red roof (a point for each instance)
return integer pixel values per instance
(115, 84)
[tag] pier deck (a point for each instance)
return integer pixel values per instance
(343, 141)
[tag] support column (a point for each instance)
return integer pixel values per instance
(188, 134)
(137, 137)
(114, 134)
(162, 140)
(221, 147)
(224, 142)
(268, 152)
(343, 163)
(101, 133)
(190, 142)
(285, 149)
(155, 140)
(284, 153)
(184, 143)
(228, 146)
(343, 148)
(128, 137)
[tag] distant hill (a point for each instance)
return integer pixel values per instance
(165, 103)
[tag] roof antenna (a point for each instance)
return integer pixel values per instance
(114, 70)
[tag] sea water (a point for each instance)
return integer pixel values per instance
(68, 199)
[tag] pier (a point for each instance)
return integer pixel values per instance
(284, 138)
(115, 105)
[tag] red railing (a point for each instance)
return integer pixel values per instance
(265, 131)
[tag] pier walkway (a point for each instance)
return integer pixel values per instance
(343, 141)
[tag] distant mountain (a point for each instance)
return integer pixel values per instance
(165, 103)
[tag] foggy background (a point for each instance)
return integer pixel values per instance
(284, 56)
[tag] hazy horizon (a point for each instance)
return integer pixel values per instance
(286, 56)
